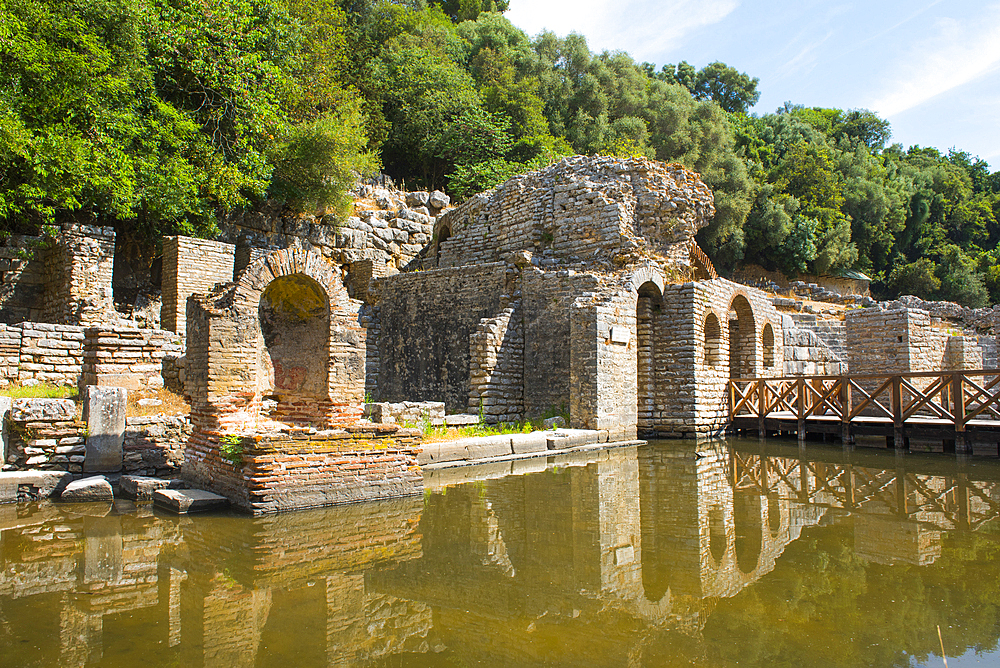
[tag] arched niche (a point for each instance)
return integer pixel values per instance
(767, 343)
(713, 341)
(294, 315)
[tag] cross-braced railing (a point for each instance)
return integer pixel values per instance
(954, 397)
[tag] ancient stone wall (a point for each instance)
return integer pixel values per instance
(22, 279)
(547, 298)
(124, 357)
(79, 266)
(191, 266)
(808, 355)
(894, 341)
(582, 208)
(154, 445)
(389, 227)
(292, 471)
(426, 319)
(46, 434)
(45, 353)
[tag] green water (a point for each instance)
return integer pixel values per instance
(668, 554)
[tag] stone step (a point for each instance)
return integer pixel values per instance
(183, 501)
(141, 488)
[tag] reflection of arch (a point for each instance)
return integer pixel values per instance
(742, 339)
(294, 313)
(773, 514)
(713, 340)
(649, 305)
(767, 339)
(717, 533)
(749, 532)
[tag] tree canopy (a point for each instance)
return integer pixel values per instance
(157, 115)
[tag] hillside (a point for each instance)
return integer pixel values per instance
(157, 116)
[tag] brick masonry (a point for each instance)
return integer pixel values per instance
(191, 266)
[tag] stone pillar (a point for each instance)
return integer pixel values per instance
(104, 413)
(191, 266)
(78, 273)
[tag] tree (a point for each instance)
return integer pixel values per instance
(732, 90)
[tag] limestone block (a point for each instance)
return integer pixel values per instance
(104, 413)
(31, 410)
(95, 488)
(438, 200)
(418, 198)
(183, 501)
(141, 488)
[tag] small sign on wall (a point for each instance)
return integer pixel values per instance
(620, 334)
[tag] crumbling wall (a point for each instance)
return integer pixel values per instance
(580, 207)
(191, 266)
(426, 319)
(496, 367)
(22, 279)
(79, 266)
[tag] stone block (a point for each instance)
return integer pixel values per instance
(94, 488)
(460, 420)
(28, 410)
(104, 412)
(182, 501)
(141, 488)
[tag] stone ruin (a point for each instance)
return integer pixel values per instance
(575, 290)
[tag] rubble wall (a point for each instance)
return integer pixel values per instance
(79, 267)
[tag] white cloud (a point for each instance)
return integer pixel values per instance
(958, 53)
(644, 28)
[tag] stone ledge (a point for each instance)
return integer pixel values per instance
(182, 501)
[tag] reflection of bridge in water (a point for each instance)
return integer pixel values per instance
(591, 550)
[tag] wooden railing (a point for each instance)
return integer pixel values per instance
(954, 397)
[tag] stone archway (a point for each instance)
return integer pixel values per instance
(742, 339)
(649, 309)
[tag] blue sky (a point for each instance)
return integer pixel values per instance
(931, 67)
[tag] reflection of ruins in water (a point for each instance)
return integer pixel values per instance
(557, 565)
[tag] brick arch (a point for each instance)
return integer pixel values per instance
(286, 262)
(712, 337)
(340, 350)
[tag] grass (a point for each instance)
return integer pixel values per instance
(434, 434)
(170, 403)
(40, 391)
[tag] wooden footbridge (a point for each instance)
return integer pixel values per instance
(956, 408)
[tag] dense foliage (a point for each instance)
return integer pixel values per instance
(155, 115)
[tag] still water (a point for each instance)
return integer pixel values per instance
(668, 554)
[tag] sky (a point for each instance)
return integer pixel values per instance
(931, 67)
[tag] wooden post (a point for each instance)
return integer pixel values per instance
(761, 408)
(963, 446)
(896, 390)
(800, 408)
(845, 413)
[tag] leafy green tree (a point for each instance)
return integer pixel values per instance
(731, 89)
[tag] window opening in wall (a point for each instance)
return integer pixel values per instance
(713, 340)
(768, 341)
